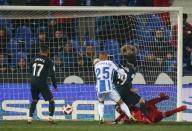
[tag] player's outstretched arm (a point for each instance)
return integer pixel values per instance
(162, 97)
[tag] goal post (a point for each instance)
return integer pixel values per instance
(180, 62)
(75, 36)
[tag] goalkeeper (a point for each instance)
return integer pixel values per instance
(153, 115)
(128, 94)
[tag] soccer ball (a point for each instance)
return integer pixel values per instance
(67, 110)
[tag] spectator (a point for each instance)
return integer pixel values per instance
(21, 66)
(132, 2)
(169, 63)
(97, 2)
(64, 2)
(151, 68)
(85, 62)
(69, 58)
(170, 66)
(59, 69)
(161, 3)
(71, 3)
(165, 16)
(3, 64)
(21, 69)
(38, 2)
(187, 39)
(160, 45)
(57, 42)
(56, 2)
(4, 2)
(42, 39)
(144, 3)
(3, 40)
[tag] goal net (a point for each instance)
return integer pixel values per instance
(75, 36)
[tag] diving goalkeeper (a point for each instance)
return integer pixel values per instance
(154, 115)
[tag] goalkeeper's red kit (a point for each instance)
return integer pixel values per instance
(153, 115)
(137, 115)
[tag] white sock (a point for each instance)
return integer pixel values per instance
(101, 110)
(29, 119)
(125, 109)
(50, 117)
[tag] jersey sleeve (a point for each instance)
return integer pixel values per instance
(115, 67)
(120, 73)
(52, 74)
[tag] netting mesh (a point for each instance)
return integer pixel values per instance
(75, 39)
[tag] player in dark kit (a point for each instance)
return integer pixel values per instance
(128, 94)
(41, 68)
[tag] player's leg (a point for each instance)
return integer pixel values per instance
(35, 97)
(137, 99)
(101, 98)
(131, 99)
(121, 113)
(47, 95)
(172, 112)
(114, 95)
(143, 107)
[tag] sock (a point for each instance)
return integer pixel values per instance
(32, 108)
(125, 109)
(121, 116)
(171, 112)
(51, 108)
(101, 110)
(143, 109)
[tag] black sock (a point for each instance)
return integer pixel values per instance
(32, 108)
(51, 108)
(143, 109)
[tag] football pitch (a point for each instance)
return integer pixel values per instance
(91, 126)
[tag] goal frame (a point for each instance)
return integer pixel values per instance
(179, 11)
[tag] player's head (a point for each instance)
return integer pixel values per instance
(185, 18)
(129, 52)
(103, 56)
(44, 50)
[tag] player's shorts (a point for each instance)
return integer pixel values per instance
(43, 90)
(113, 95)
(130, 98)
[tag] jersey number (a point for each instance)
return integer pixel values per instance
(40, 67)
(104, 73)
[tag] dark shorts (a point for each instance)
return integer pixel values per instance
(43, 90)
(130, 98)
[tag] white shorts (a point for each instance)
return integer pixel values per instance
(113, 94)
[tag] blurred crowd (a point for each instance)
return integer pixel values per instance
(75, 42)
(87, 2)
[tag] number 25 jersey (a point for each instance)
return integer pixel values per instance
(104, 71)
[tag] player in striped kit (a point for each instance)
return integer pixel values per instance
(104, 71)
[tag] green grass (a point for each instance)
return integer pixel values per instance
(90, 126)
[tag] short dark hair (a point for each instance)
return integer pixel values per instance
(185, 16)
(44, 48)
